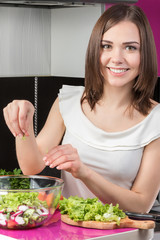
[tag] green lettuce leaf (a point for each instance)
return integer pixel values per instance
(15, 183)
(11, 201)
(90, 209)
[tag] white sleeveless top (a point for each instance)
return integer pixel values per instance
(116, 156)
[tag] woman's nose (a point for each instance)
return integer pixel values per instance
(117, 56)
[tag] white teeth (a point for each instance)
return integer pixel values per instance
(118, 70)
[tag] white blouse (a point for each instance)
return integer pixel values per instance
(116, 156)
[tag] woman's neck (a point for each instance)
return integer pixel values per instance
(114, 97)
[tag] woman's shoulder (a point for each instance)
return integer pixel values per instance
(70, 98)
(153, 117)
(71, 89)
(69, 93)
(154, 104)
(155, 109)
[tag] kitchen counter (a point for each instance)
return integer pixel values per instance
(60, 231)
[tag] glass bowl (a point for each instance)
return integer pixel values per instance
(28, 201)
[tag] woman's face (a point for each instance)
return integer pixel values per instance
(120, 54)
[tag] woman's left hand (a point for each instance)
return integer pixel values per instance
(65, 157)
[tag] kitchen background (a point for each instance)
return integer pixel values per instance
(43, 48)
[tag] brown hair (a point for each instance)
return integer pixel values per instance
(145, 82)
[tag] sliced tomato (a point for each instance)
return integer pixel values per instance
(11, 223)
(42, 196)
(32, 225)
(49, 199)
(61, 198)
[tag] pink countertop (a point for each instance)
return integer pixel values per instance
(60, 231)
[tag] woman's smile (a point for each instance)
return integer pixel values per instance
(118, 71)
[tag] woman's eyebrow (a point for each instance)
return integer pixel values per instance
(107, 41)
(125, 43)
(131, 42)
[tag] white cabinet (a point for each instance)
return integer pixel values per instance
(71, 29)
(45, 42)
(25, 41)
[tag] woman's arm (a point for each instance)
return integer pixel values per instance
(145, 187)
(30, 150)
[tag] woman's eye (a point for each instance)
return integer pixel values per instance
(131, 48)
(106, 46)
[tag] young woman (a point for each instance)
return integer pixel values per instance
(110, 129)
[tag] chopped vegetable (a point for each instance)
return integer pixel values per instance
(24, 137)
(42, 196)
(16, 171)
(79, 209)
(49, 199)
(22, 210)
(15, 183)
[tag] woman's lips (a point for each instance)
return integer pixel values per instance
(118, 71)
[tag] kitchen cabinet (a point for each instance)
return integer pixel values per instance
(71, 29)
(25, 41)
(10, 89)
(45, 42)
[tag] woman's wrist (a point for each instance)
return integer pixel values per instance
(85, 173)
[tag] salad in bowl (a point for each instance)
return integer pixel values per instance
(28, 201)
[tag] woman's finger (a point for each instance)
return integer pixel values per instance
(6, 117)
(26, 112)
(18, 115)
(11, 118)
(54, 162)
(58, 151)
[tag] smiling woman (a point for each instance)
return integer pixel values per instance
(107, 144)
(148, 56)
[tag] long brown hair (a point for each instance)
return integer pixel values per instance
(145, 82)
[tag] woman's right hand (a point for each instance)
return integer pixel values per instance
(18, 116)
